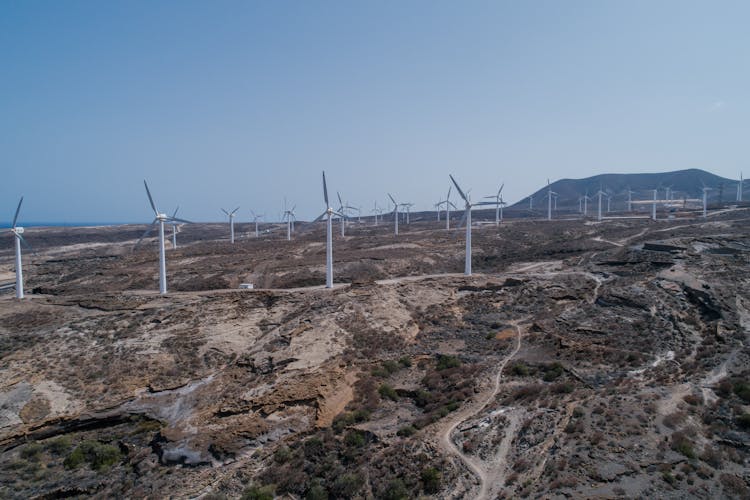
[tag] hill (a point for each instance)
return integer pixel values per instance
(682, 183)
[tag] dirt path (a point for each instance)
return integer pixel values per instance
(475, 465)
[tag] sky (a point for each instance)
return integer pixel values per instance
(243, 103)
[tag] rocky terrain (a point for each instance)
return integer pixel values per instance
(582, 359)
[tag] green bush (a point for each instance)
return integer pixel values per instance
(742, 389)
(446, 361)
(259, 493)
(744, 420)
(388, 392)
(519, 369)
(60, 445)
(355, 439)
(431, 479)
(32, 452)
(97, 455)
(395, 490)
(407, 431)
(405, 361)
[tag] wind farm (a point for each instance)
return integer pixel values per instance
(388, 251)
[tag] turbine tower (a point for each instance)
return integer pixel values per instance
(255, 220)
(705, 200)
(630, 200)
(174, 228)
(498, 204)
(328, 214)
(739, 189)
(395, 214)
(467, 219)
(231, 222)
(160, 219)
(550, 193)
(17, 232)
(599, 194)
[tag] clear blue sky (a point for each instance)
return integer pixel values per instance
(222, 103)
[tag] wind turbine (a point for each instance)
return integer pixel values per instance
(599, 194)
(739, 189)
(161, 219)
(586, 199)
(289, 216)
(231, 222)
(395, 214)
(467, 218)
(329, 213)
(705, 199)
(255, 219)
(17, 232)
(174, 228)
(550, 193)
(498, 204)
(630, 200)
(407, 206)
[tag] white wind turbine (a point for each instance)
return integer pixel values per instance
(630, 199)
(231, 222)
(705, 199)
(174, 228)
(289, 217)
(329, 213)
(255, 220)
(499, 203)
(599, 194)
(407, 206)
(550, 194)
(739, 189)
(160, 219)
(395, 214)
(17, 232)
(467, 219)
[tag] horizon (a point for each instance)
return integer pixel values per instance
(246, 103)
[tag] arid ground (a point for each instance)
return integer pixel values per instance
(581, 359)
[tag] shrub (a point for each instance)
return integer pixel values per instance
(317, 492)
(407, 431)
(259, 493)
(395, 490)
(386, 391)
(347, 485)
(282, 455)
(446, 361)
(60, 445)
(744, 420)
(682, 444)
(31, 452)
(355, 439)
(431, 479)
(519, 369)
(742, 389)
(99, 456)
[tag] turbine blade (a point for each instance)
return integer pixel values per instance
(325, 190)
(150, 199)
(458, 189)
(18, 209)
(145, 233)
